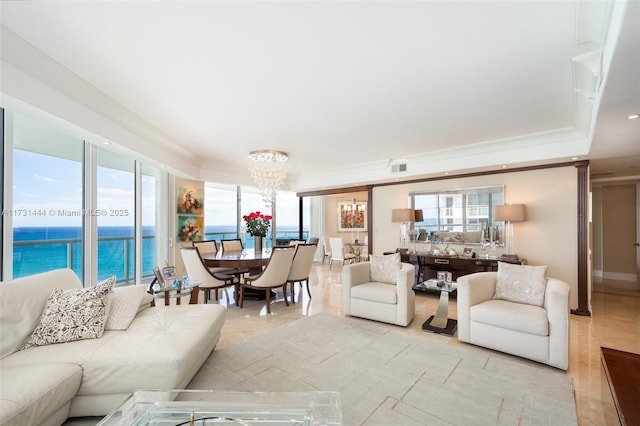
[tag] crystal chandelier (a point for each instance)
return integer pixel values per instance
(268, 170)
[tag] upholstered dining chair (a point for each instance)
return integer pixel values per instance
(273, 276)
(200, 274)
(234, 245)
(301, 267)
(211, 247)
(338, 254)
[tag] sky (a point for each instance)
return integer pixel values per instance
(47, 191)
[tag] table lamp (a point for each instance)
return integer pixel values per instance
(403, 216)
(509, 213)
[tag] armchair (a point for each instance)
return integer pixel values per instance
(539, 333)
(379, 301)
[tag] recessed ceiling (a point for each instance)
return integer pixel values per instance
(347, 87)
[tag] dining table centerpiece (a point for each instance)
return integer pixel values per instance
(257, 226)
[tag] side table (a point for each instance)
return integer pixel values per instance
(175, 293)
(440, 322)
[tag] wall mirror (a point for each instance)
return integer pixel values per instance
(458, 216)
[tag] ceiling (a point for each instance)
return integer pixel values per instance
(345, 88)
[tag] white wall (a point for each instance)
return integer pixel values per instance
(548, 237)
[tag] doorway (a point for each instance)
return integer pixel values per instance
(616, 234)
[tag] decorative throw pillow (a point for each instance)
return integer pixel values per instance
(384, 269)
(71, 315)
(521, 283)
(125, 302)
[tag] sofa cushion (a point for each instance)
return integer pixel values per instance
(521, 283)
(375, 292)
(513, 316)
(385, 268)
(31, 394)
(71, 315)
(124, 304)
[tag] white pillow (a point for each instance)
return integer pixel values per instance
(521, 283)
(125, 302)
(384, 269)
(71, 315)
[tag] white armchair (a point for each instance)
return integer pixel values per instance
(390, 303)
(539, 333)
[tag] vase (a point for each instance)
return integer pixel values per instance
(257, 244)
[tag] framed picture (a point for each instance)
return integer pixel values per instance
(468, 252)
(169, 274)
(352, 217)
(190, 201)
(159, 277)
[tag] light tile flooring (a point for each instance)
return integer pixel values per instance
(615, 323)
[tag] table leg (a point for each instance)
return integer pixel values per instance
(440, 322)
(442, 314)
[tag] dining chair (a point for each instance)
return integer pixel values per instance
(301, 267)
(338, 253)
(234, 245)
(211, 247)
(200, 274)
(327, 248)
(273, 276)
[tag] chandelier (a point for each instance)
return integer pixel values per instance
(268, 170)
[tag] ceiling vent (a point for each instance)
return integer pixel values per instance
(398, 166)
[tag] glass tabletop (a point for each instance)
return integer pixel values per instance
(184, 407)
(433, 284)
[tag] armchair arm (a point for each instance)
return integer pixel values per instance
(473, 289)
(352, 275)
(556, 302)
(406, 296)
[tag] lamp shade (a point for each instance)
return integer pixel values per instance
(403, 215)
(419, 216)
(510, 213)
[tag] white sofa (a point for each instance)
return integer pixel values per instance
(162, 348)
(379, 301)
(539, 333)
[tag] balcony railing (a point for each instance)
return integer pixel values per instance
(115, 255)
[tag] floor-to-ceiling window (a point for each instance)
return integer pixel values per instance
(47, 209)
(71, 203)
(115, 216)
(220, 211)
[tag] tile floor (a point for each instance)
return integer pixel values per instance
(615, 323)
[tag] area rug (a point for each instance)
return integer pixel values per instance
(386, 377)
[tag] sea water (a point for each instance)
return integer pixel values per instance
(40, 249)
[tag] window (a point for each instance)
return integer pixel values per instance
(220, 211)
(47, 199)
(115, 216)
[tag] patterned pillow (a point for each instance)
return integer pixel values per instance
(125, 302)
(384, 269)
(521, 283)
(71, 315)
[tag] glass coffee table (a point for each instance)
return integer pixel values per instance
(440, 322)
(210, 407)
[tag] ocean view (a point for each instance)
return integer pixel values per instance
(40, 249)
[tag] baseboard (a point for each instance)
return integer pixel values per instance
(620, 276)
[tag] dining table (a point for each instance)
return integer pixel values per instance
(240, 259)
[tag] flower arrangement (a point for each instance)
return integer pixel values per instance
(257, 224)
